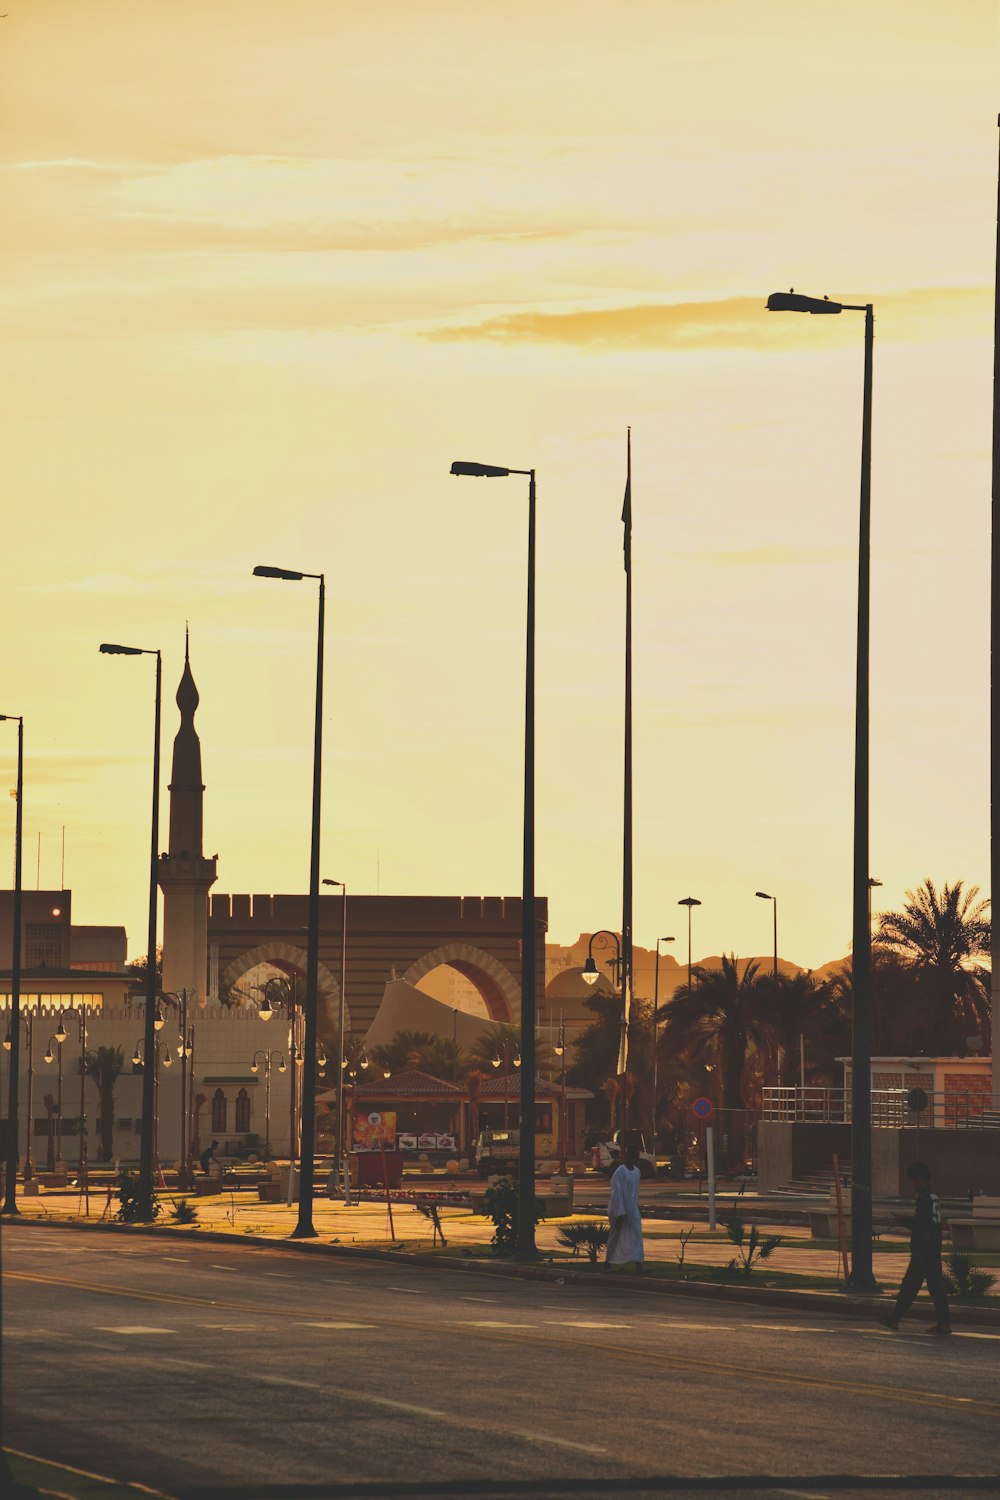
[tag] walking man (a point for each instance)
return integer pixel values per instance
(625, 1241)
(925, 1254)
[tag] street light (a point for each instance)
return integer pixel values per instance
(560, 1052)
(183, 1052)
(529, 936)
(268, 1059)
(872, 883)
(10, 1045)
(338, 1141)
(148, 1122)
(304, 1229)
(862, 1278)
(10, 1185)
(689, 902)
(50, 1057)
(656, 1032)
(765, 897)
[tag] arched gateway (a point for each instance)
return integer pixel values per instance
(406, 936)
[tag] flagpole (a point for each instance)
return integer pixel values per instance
(626, 965)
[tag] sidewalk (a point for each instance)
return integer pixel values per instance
(366, 1226)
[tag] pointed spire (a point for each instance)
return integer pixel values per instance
(187, 693)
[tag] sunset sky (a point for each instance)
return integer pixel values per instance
(268, 268)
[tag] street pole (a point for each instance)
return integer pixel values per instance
(304, 1229)
(627, 976)
(995, 666)
(339, 1159)
(10, 1185)
(182, 1169)
(29, 1026)
(689, 902)
(656, 1035)
(862, 1273)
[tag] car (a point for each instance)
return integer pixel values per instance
(607, 1156)
(498, 1151)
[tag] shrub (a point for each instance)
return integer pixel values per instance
(184, 1212)
(137, 1207)
(751, 1248)
(590, 1235)
(500, 1203)
(963, 1279)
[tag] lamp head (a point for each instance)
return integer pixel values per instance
(479, 471)
(495, 1061)
(61, 1032)
(281, 1066)
(689, 901)
(158, 1021)
(136, 1059)
(48, 1054)
(287, 573)
(168, 1061)
(333, 882)
(111, 650)
(590, 974)
(763, 895)
(266, 1010)
(793, 302)
(253, 1067)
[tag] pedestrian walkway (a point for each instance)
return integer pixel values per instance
(366, 1225)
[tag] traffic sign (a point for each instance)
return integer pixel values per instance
(702, 1108)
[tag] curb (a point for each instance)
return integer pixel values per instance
(836, 1303)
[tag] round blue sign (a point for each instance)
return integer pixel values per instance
(702, 1108)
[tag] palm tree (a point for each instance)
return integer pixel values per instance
(941, 937)
(503, 1040)
(793, 1007)
(406, 1050)
(104, 1066)
(723, 1014)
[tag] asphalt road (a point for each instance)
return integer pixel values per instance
(207, 1370)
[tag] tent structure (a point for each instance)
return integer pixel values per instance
(405, 1008)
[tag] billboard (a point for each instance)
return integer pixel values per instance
(374, 1130)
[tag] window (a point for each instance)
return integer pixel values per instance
(219, 1111)
(242, 1111)
(43, 945)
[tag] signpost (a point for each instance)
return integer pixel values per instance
(702, 1108)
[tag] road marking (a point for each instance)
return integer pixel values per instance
(478, 1299)
(803, 1494)
(496, 1323)
(337, 1325)
(543, 1437)
(232, 1327)
(134, 1328)
(284, 1275)
(178, 1260)
(582, 1323)
(411, 1291)
(959, 1334)
(213, 1267)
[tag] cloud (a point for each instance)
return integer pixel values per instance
(731, 322)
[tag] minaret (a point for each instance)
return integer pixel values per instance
(184, 875)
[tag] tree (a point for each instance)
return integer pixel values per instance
(941, 936)
(104, 1066)
(721, 1014)
(406, 1050)
(137, 967)
(503, 1040)
(793, 1006)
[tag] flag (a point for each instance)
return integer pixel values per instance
(627, 509)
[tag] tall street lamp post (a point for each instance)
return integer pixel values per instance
(61, 1034)
(656, 1036)
(590, 976)
(180, 1001)
(51, 1057)
(304, 1228)
(10, 1184)
(506, 1060)
(148, 1124)
(765, 897)
(10, 1045)
(862, 1278)
(689, 902)
(268, 1059)
(339, 1163)
(529, 935)
(560, 1051)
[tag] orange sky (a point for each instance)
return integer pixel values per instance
(268, 268)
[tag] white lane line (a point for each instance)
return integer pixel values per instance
(411, 1291)
(493, 1323)
(232, 1327)
(337, 1325)
(213, 1267)
(284, 1275)
(802, 1494)
(543, 1437)
(959, 1334)
(582, 1323)
(135, 1328)
(184, 1364)
(177, 1260)
(478, 1299)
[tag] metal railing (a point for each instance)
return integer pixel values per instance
(951, 1110)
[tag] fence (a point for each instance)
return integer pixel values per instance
(890, 1107)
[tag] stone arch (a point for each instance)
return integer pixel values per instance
(498, 987)
(289, 957)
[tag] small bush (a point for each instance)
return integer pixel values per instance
(137, 1207)
(751, 1248)
(963, 1279)
(590, 1235)
(500, 1203)
(184, 1212)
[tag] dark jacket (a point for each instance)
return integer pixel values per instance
(925, 1224)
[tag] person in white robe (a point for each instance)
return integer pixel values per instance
(625, 1240)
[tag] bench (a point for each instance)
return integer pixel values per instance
(982, 1230)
